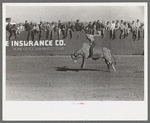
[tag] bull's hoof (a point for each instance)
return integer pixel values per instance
(111, 70)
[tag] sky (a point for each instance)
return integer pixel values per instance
(68, 13)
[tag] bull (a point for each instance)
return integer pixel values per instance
(90, 50)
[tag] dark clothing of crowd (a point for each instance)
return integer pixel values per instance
(95, 28)
(77, 26)
(12, 30)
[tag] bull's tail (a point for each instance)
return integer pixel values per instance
(113, 57)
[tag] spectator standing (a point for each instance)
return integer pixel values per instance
(103, 28)
(18, 29)
(14, 29)
(72, 27)
(26, 26)
(9, 29)
(48, 30)
(86, 29)
(82, 27)
(98, 26)
(122, 29)
(77, 28)
(22, 27)
(40, 30)
(64, 30)
(52, 31)
(117, 24)
(142, 26)
(59, 29)
(36, 29)
(90, 28)
(126, 29)
(108, 26)
(94, 28)
(8, 26)
(112, 35)
(30, 32)
(133, 30)
(137, 25)
(132, 26)
(69, 29)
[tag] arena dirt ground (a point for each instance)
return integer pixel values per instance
(57, 78)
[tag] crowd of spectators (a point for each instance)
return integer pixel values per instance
(94, 28)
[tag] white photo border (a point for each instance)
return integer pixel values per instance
(64, 110)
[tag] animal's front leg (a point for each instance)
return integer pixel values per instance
(83, 62)
(113, 67)
(107, 64)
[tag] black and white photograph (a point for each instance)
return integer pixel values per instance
(75, 56)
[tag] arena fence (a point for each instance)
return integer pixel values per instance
(66, 46)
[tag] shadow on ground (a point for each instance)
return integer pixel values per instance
(65, 68)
